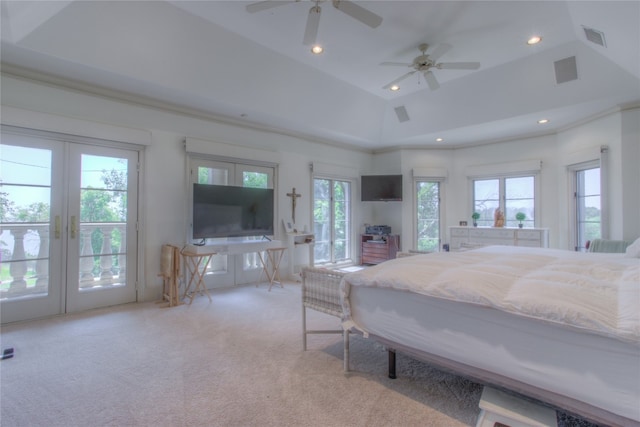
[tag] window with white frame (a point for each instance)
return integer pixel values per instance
(511, 194)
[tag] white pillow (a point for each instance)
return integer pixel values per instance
(633, 250)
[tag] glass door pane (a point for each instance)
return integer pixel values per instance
(332, 221)
(31, 228)
(588, 208)
(217, 273)
(102, 227)
(322, 220)
(341, 221)
(249, 269)
(428, 216)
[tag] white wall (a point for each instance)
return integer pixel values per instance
(164, 193)
(164, 197)
(530, 149)
(436, 162)
(620, 131)
(630, 174)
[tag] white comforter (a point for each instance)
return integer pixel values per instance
(596, 292)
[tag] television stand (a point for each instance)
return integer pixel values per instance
(233, 248)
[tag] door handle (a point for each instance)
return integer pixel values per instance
(73, 227)
(56, 227)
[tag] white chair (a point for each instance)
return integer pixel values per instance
(320, 292)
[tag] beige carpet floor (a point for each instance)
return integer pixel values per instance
(236, 361)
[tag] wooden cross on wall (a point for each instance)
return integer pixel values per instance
(293, 196)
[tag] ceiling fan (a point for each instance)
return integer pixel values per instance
(424, 63)
(313, 20)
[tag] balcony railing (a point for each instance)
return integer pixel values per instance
(25, 258)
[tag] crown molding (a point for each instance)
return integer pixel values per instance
(56, 81)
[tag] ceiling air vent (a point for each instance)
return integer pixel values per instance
(566, 70)
(595, 36)
(402, 114)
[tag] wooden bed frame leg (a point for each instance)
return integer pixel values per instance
(392, 363)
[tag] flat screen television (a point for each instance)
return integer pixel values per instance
(375, 188)
(228, 211)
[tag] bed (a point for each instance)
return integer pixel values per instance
(558, 326)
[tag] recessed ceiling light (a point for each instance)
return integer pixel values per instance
(534, 40)
(317, 49)
(543, 121)
(439, 139)
(395, 88)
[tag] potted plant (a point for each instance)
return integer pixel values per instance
(520, 217)
(475, 217)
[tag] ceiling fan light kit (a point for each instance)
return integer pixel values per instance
(533, 40)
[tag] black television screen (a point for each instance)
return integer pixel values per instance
(381, 188)
(227, 211)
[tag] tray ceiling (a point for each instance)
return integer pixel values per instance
(214, 58)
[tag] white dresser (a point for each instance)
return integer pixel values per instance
(532, 237)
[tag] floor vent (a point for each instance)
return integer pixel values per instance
(402, 114)
(566, 70)
(595, 36)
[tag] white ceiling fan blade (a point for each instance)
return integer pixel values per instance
(358, 12)
(398, 80)
(396, 64)
(431, 80)
(440, 50)
(313, 22)
(458, 65)
(264, 5)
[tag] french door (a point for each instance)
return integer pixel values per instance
(427, 197)
(587, 204)
(332, 220)
(225, 270)
(68, 237)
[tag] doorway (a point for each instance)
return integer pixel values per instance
(69, 225)
(226, 270)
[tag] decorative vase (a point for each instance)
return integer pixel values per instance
(475, 224)
(520, 225)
